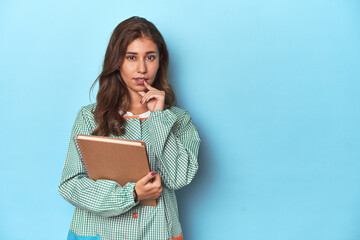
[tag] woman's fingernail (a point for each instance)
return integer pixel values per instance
(153, 173)
(141, 101)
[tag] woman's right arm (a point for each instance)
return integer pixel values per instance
(102, 197)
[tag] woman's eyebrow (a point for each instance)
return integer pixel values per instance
(137, 53)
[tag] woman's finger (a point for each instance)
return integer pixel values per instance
(148, 98)
(145, 96)
(147, 177)
(148, 86)
(142, 93)
(157, 96)
(148, 94)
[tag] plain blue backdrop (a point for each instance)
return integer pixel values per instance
(272, 86)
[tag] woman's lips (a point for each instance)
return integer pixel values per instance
(140, 81)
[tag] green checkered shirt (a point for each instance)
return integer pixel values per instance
(103, 208)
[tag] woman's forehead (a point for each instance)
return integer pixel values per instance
(142, 45)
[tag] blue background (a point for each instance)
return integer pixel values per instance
(272, 86)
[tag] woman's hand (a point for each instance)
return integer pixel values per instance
(149, 187)
(154, 98)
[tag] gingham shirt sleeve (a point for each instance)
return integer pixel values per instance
(103, 197)
(175, 143)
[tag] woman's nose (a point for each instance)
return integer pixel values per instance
(142, 66)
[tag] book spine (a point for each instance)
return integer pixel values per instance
(81, 155)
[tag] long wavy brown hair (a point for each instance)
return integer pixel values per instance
(113, 94)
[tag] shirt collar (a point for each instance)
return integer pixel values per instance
(142, 115)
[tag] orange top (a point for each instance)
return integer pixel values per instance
(141, 116)
(180, 237)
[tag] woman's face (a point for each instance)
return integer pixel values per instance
(140, 64)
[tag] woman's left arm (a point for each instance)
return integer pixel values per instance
(175, 143)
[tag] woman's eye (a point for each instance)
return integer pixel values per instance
(151, 57)
(131, 57)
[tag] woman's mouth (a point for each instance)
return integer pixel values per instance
(140, 81)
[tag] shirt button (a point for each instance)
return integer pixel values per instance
(135, 215)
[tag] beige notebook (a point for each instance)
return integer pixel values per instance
(114, 159)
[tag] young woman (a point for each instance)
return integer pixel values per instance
(135, 101)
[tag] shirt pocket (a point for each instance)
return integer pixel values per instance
(72, 236)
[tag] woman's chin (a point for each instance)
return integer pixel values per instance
(138, 88)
